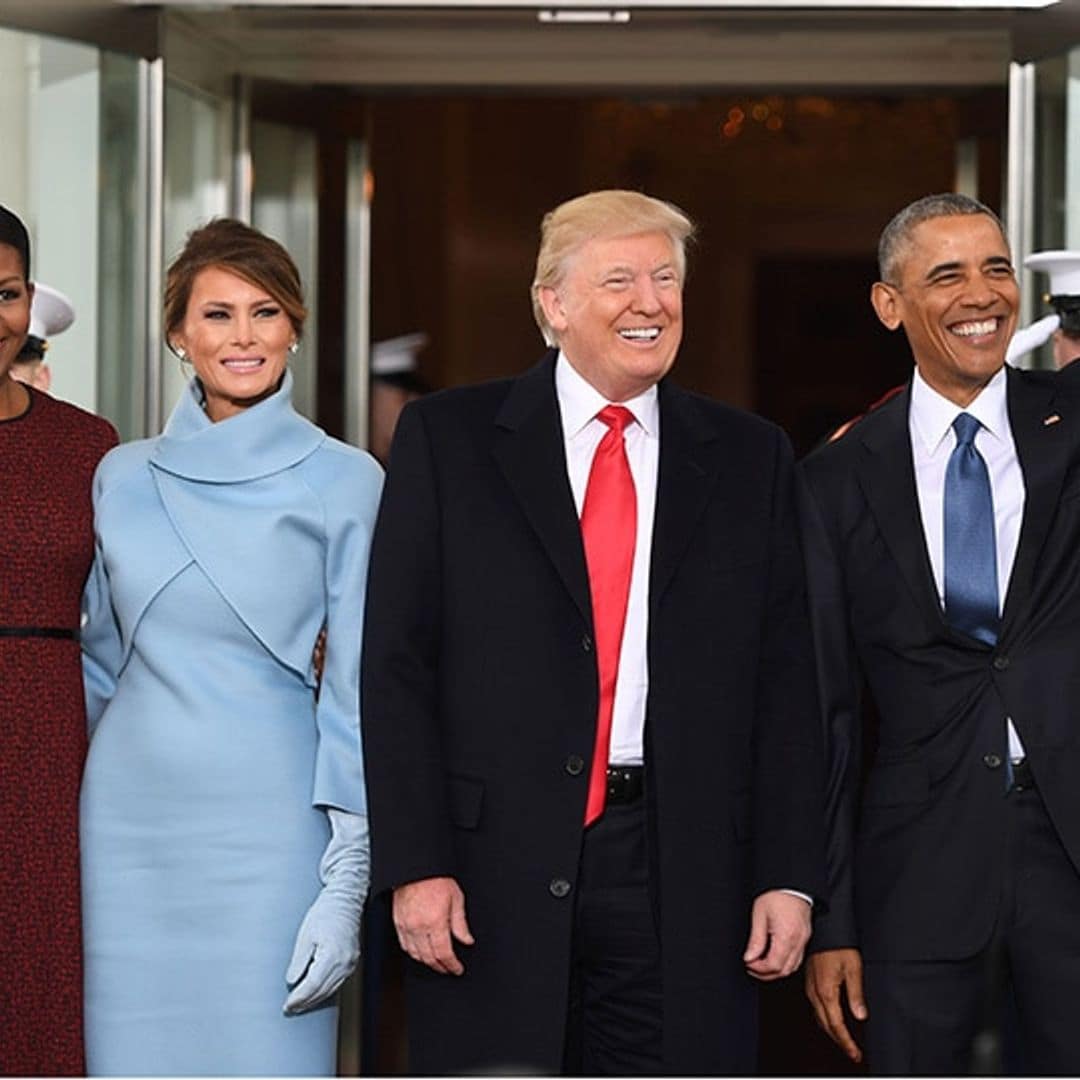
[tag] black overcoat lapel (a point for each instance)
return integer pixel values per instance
(529, 449)
(691, 456)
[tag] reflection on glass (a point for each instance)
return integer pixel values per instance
(196, 188)
(284, 205)
(121, 374)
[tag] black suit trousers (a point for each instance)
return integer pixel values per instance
(946, 1017)
(614, 1019)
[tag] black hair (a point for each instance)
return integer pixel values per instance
(13, 232)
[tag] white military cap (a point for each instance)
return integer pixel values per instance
(51, 312)
(1063, 268)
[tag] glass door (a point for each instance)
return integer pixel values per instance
(70, 130)
(1044, 171)
(284, 205)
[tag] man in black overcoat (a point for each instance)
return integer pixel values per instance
(593, 759)
(942, 537)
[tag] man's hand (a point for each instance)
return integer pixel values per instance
(426, 914)
(779, 931)
(826, 973)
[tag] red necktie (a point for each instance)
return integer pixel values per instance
(608, 529)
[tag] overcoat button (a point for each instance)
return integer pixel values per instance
(575, 765)
(559, 888)
(1001, 663)
(992, 761)
(586, 643)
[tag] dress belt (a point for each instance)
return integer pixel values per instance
(40, 631)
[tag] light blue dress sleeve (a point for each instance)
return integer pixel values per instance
(350, 505)
(102, 645)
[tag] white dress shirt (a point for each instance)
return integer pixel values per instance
(579, 402)
(932, 443)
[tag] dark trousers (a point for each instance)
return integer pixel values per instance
(615, 1012)
(945, 1018)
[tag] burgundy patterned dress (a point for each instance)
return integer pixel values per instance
(47, 461)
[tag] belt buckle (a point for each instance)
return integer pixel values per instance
(1022, 777)
(624, 783)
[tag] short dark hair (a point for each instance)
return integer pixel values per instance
(231, 245)
(13, 232)
(897, 234)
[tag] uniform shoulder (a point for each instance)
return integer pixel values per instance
(836, 456)
(840, 450)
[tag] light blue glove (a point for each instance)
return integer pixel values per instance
(328, 942)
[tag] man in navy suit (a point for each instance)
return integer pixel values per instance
(593, 760)
(942, 538)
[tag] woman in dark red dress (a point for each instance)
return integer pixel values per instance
(48, 451)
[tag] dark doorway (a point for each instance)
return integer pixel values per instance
(820, 355)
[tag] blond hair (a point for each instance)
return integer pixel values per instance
(601, 214)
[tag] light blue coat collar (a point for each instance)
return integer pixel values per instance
(260, 441)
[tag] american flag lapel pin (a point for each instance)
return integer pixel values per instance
(1053, 418)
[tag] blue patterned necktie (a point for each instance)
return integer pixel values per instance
(971, 591)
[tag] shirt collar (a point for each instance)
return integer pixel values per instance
(580, 401)
(932, 415)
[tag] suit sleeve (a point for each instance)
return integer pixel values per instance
(411, 837)
(839, 685)
(350, 519)
(788, 847)
(102, 646)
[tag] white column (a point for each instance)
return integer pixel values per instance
(357, 292)
(1020, 178)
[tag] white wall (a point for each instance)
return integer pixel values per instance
(14, 120)
(64, 143)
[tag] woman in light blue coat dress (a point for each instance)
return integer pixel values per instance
(224, 827)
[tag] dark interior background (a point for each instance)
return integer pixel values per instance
(789, 192)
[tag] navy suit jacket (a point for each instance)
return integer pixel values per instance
(915, 858)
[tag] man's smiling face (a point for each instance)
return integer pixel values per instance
(617, 313)
(956, 299)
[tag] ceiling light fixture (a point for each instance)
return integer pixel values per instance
(563, 16)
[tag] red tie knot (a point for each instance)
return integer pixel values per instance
(617, 417)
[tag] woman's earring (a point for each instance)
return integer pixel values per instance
(294, 348)
(180, 354)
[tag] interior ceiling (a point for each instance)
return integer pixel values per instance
(700, 49)
(654, 49)
(408, 46)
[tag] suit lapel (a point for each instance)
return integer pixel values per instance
(529, 449)
(887, 478)
(1042, 450)
(690, 459)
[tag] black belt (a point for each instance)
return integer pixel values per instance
(1023, 779)
(40, 631)
(625, 783)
